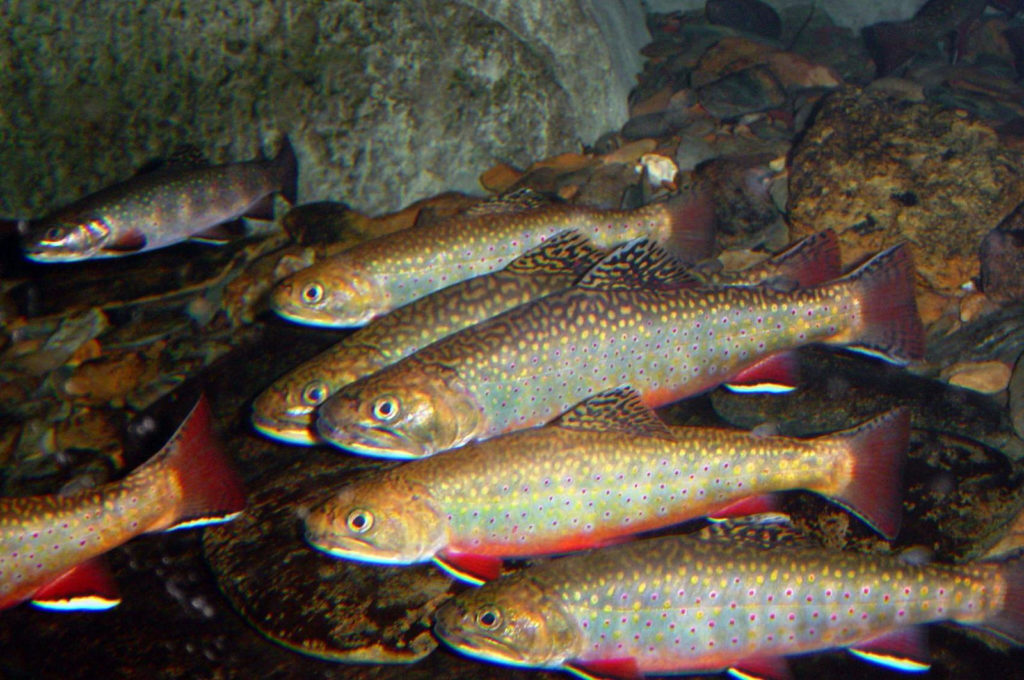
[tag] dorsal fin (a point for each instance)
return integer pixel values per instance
(639, 264)
(512, 202)
(620, 409)
(568, 251)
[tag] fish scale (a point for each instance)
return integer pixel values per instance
(664, 337)
(379, 275)
(679, 604)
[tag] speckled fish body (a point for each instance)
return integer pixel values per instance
(285, 410)
(379, 275)
(658, 334)
(158, 209)
(604, 471)
(43, 538)
(682, 605)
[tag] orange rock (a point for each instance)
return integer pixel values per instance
(796, 71)
(499, 178)
(932, 306)
(658, 101)
(564, 162)
(108, 378)
(630, 153)
(976, 305)
(88, 350)
(987, 377)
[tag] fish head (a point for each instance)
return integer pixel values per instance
(386, 520)
(411, 409)
(511, 621)
(334, 293)
(65, 238)
(286, 410)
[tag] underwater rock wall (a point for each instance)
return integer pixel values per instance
(385, 102)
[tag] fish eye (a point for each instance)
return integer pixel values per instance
(385, 408)
(313, 293)
(488, 619)
(359, 521)
(314, 393)
(53, 234)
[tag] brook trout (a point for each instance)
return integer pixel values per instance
(47, 542)
(604, 471)
(285, 409)
(379, 275)
(684, 605)
(159, 209)
(635, 319)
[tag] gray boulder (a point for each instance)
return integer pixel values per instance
(385, 101)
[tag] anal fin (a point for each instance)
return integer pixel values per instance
(87, 586)
(470, 568)
(776, 373)
(904, 650)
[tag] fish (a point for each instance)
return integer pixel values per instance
(638, 319)
(600, 473)
(683, 604)
(161, 208)
(285, 410)
(893, 43)
(359, 284)
(49, 544)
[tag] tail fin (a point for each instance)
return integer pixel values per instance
(287, 169)
(211, 490)
(879, 452)
(690, 233)
(1009, 621)
(890, 326)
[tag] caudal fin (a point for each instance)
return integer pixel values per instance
(211, 491)
(287, 169)
(690, 234)
(890, 326)
(878, 449)
(1009, 621)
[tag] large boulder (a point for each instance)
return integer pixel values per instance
(385, 101)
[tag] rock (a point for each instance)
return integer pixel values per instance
(987, 377)
(747, 91)
(880, 171)
(1016, 388)
(842, 12)
(385, 102)
(750, 16)
(1002, 259)
(322, 606)
(745, 214)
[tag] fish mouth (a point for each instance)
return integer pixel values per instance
(49, 255)
(354, 549)
(373, 441)
(297, 430)
(479, 646)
